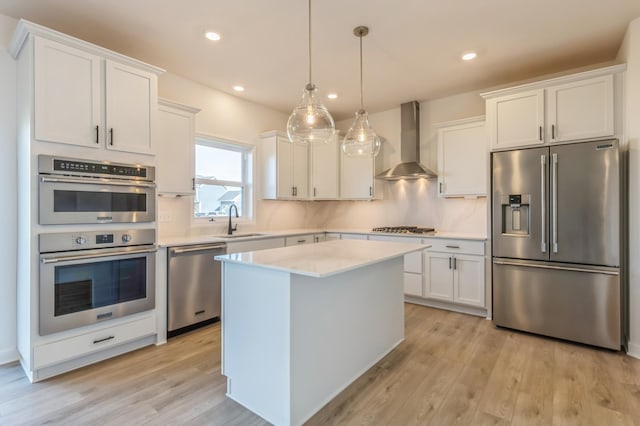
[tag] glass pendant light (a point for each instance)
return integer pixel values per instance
(361, 140)
(310, 121)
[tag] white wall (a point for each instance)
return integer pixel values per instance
(228, 117)
(630, 53)
(8, 182)
(412, 202)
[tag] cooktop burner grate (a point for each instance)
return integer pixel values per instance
(403, 230)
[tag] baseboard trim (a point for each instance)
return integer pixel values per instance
(634, 350)
(8, 355)
(470, 310)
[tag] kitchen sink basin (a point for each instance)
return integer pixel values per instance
(225, 236)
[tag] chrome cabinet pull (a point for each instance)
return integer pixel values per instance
(554, 189)
(543, 171)
(103, 340)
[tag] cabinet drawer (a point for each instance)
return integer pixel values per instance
(73, 347)
(299, 239)
(455, 246)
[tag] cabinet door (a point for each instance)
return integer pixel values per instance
(175, 150)
(324, 170)
(356, 178)
(413, 284)
(131, 99)
(284, 169)
(468, 280)
(462, 160)
(300, 178)
(438, 276)
(580, 110)
(516, 120)
(68, 102)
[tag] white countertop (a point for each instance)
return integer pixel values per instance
(323, 259)
(204, 239)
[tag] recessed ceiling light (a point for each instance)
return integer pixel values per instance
(212, 36)
(469, 56)
(238, 88)
(332, 96)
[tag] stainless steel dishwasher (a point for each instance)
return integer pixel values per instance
(194, 286)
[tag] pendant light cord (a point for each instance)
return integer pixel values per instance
(310, 42)
(361, 85)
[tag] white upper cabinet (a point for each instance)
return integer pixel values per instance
(570, 108)
(175, 155)
(324, 170)
(285, 168)
(517, 119)
(356, 178)
(580, 109)
(68, 107)
(462, 158)
(83, 94)
(131, 100)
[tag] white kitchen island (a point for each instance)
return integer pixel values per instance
(300, 323)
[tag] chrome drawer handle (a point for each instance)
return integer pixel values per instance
(453, 247)
(103, 340)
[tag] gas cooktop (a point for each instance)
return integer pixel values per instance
(403, 230)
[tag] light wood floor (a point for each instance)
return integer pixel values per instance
(451, 369)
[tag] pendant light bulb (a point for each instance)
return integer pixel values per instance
(361, 140)
(310, 121)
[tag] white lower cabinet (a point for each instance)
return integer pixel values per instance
(412, 264)
(455, 273)
(84, 344)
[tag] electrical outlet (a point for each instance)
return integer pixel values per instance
(165, 217)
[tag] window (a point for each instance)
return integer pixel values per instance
(223, 178)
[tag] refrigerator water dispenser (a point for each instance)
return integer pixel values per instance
(515, 214)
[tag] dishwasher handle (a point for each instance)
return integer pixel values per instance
(215, 246)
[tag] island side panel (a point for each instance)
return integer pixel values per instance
(341, 326)
(255, 339)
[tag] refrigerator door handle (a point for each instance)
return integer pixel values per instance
(554, 212)
(559, 268)
(543, 169)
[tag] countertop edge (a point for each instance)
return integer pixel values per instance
(198, 239)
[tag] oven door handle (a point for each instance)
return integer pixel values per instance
(94, 255)
(97, 181)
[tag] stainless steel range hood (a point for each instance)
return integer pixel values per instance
(409, 166)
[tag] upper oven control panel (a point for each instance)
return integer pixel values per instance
(66, 241)
(72, 166)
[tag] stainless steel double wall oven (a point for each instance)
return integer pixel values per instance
(95, 273)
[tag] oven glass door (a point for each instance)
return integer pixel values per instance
(70, 201)
(82, 289)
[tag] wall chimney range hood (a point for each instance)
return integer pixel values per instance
(409, 166)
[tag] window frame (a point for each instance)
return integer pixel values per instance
(247, 183)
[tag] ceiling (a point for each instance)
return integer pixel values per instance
(411, 53)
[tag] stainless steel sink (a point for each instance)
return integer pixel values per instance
(225, 236)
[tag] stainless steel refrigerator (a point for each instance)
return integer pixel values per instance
(557, 241)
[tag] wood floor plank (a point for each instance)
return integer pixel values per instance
(451, 369)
